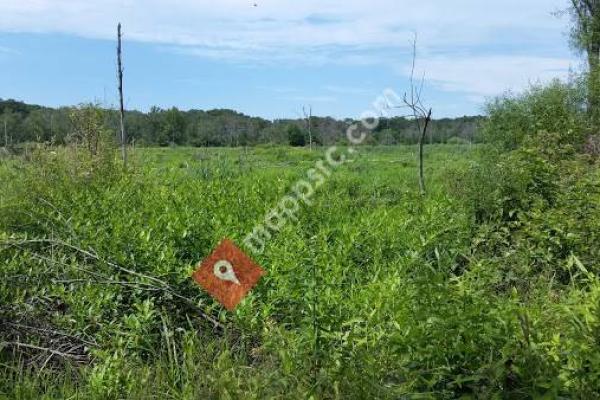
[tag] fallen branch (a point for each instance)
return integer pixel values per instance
(76, 357)
(50, 332)
(162, 285)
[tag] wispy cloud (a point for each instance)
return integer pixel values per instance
(312, 99)
(347, 90)
(292, 55)
(321, 19)
(483, 76)
(276, 24)
(8, 50)
(337, 32)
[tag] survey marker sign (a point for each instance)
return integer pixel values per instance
(228, 274)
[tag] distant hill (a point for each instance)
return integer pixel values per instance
(221, 127)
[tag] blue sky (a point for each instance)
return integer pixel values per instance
(272, 57)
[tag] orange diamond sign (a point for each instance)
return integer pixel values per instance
(228, 274)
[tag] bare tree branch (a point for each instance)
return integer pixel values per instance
(161, 285)
(121, 106)
(420, 113)
(76, 357)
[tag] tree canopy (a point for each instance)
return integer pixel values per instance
(218, 128)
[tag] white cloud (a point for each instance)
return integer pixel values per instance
(317, 32)
(237, 24)
(484, 76)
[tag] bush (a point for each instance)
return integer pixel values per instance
(557, 107)
(529, 136)
(296, 136)
(88, 129)
(534, 201)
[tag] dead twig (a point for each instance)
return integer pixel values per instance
(75, 357)
(162, 285)
(50, 332)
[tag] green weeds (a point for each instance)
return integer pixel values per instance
(375, 292)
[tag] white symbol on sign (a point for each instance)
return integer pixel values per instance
(224, 271)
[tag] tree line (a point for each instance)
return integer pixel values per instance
(23, 123)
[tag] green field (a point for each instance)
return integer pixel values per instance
(374, 292)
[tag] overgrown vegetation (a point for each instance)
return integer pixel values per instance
(485, 288)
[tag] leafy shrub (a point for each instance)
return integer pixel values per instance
(556, 107)
(296, 137)
(534, 201)
(89, 130)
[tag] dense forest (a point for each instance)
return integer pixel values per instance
(23, 122)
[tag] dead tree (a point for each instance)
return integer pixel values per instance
(5, 132)
(419, 112)
(121, 107)
(308, 118)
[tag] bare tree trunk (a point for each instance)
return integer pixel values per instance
(421, 140)
(309, 125)
(310, 128)
(5, 133)
(121, 107)
(413, 102)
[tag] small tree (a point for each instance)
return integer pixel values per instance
(295, 136)
(419, 113)
(173, 126)
(88, 128)
(36, 126)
